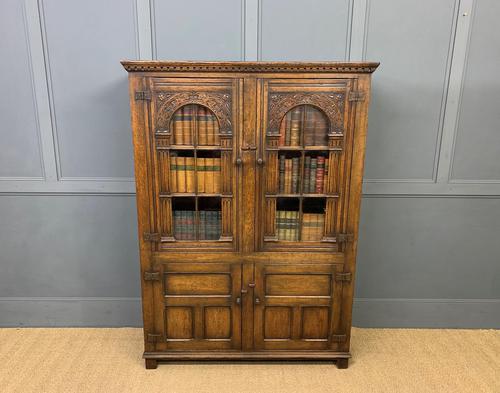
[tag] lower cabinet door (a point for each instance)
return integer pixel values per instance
(296, 307)
(197, 307)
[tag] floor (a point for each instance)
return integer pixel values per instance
(384, 360)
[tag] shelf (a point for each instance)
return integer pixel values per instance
(194, 194)
(192, 147)
(301, 195)
(306, 148)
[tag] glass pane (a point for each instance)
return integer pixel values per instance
(195, 125)
(195, 174)
(304, 125)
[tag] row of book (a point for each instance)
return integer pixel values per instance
(315, 175)
(306, 120)
(288, 226)
(209, 224)
(191, 119)
(183, 174)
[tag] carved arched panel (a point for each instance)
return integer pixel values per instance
(218, 103)
(332, 104)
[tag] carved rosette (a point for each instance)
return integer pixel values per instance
(332, 104)
(218, 102)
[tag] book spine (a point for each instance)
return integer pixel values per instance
(320, 173)
(312, 176)
(288, 225)
(188, 125)
(308, 126)
(190, 174)
(282, 161)
(181, 174)
(295, 174)
(295, 127)
(325, 177)
(176, 125)
(201, 120)
(201, 224)
(209, 175)
(307, 174)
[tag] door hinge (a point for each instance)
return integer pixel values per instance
(343, 277)
(151, 276)
(153, 338)
(339, 338)
(356, 96)
(142, 95)
(151, 237)
(344, 237)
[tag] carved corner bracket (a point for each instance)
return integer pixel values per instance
(332, 104)
(167, 103)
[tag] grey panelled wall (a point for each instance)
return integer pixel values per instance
(430, 224)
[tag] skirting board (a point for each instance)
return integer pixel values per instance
(118, 311)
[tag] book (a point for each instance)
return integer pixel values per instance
(281, 174)
(325, 180)
(201, 122)
(202, 219)
(288, 176)
(180, 173)
(295, 126)
(308, 126)
(200, 174)
(189, 174)
(295, 175)
(312, 226)
(312, 175)
(320, 173)
(307, 174)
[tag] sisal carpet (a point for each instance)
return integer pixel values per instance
(384, 360)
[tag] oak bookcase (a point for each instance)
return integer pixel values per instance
(249, 182)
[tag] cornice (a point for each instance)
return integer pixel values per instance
(244, 66)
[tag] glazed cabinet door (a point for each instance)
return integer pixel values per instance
(194, 125)
(197, 307)
(297, 307)
(305, 148)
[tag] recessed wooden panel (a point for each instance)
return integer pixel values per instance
(179, 322)
(315, 322)
(298, 285)
(217, 322)
(197, 284)
(277, 322)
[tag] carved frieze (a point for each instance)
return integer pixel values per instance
(332, 104)
(166, 103)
